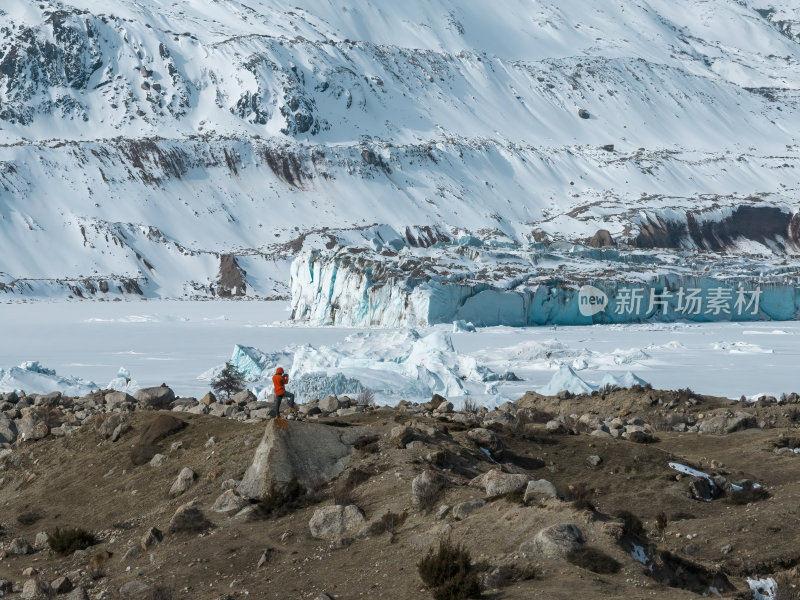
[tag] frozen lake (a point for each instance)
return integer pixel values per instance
(175, 342)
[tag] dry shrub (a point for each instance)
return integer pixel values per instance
(366, 397)
(580, 495)
(160, 592)
(788, 588)
(282, 501)
(66, 541)
(448, 573)
(593, 560)
(391, 521)
(470, 406)
(368, 444)
(28, 518)
(747, 495)
(631, 524)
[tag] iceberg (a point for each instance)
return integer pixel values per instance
(33, 378)
(566, 379)
(627, 380)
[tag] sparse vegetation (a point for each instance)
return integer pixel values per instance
(228, 382)
(631, 524)
(282, 501)
(593, 560)
(661, 523)
(470, 406)
(448, 573)
(28, 518)
(788, 588)
(67, 540)
(366, 397)
(580, 495)
(747, 495)
(160, 592)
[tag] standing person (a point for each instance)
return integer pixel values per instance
(279, 380)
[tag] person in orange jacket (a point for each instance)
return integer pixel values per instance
(279, 380)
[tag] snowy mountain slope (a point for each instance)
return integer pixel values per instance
(142, 141)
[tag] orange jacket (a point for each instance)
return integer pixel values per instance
(279, 380)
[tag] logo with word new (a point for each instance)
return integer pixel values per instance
(591, 300)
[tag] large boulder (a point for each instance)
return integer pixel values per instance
(119, 400)
(601, 238)
(425, 487)
(555, 541)
(496, 483)
(332, 522)
(727, 423)
(243, 397)
(311, 453)
(463, 509)
(486, 438)
(154, 398)
(8, 430)
(539, 490)
(159, 428)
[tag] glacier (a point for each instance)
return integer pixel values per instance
(536, 285)
(31, 376)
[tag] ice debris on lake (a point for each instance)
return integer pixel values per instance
(32, 377)
(565, 379)
(405, 364)
(123, 382)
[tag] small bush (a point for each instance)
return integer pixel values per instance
(448, 573)
(788, 588)
(368, 444)
(344, 493)
(580, 495)
(281, 502)
(631, 524)
(366, 397)
(391, 521)
(470, 406)
(593, 560)
(160, 592)
(67, 540)
(747, 495)
(28, 518)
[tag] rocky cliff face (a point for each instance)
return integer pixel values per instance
(146, 143)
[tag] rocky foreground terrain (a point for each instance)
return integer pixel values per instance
(624, 493)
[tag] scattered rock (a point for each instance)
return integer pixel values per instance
(329, 404)
(425, 487)
(555, 541)
(265, 557)
(485, 438)
(594, 461)
(229, 501)
(539, 490)
(62, 585)
(463, 509)
(34, 589)
(158, 460)
(496, 483)
(401, 435)
(332, 522)
(152, 538)
(209, 398)
(583, 113)
(601, 239)
(184, 481)
(19, 546)
(133, 589)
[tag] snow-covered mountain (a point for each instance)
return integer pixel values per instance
(193, 148)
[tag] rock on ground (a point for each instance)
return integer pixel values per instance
(495, 482)
(463, 509)
(312, 453)
(188, 519)
(555, 541)
(425, 487)
(154, 398)
(540, 489)
(229, 501)
(727, 423)
(184, 481)
(486, 438)
(331, 522)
